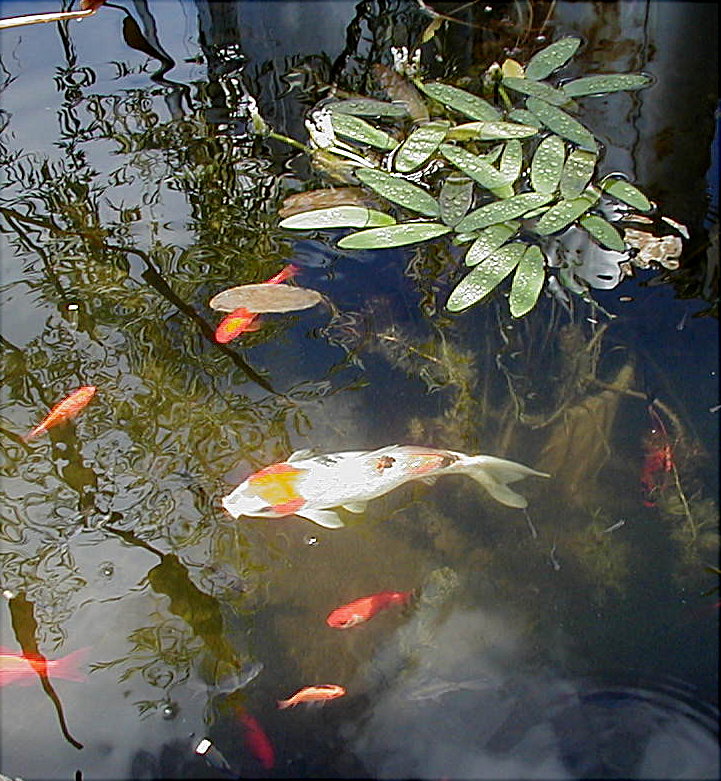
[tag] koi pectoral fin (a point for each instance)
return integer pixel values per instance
(326, 518)
(355, 507)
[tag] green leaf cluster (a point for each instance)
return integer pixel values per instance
(503, 177)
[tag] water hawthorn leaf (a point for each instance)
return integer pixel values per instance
(563, 213)
(538, 89)
(393, 235)
(399, 191)
(489, 240)
(524, 117)
(455, 198)
(465, 102)
(527, 281)
(337, 217)
(367, 107)
(363, 132)
(547, 164)
(474, 166)
(485, 277)
(562, 124)
(490, 131)
(602, 84)
(420, 145)
(502, 211)
(512, 160)
(577, 173)
(626, 192)
(603, 232)
(543, 63)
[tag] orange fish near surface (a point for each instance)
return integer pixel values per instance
(64, 410)
(365, 608)
(23, 669)
(242, 320)
(320, 693)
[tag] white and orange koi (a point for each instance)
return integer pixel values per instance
(310, 486)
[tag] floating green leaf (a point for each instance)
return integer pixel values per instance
(460, 100)
(626, 192)
(547, 164)
(501, 211)
(512, 160)
(455, 198)
(420, 145)
(604, 83)
(485, 277)
(538, 89)
(562, 124)
(490, 131)
(563, 213)
(577, 172)
(367, 107)
(524, 117)
(393, 235)
(551, 58)
(489, 240)
(474, 166)
(603, 232)
(337, 217)
(359, 130)
(527, 281)
(399, 191)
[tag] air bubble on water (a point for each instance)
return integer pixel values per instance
(309, 539)
(169, 710)
(107, 569)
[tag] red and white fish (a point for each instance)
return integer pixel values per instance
(64, 410)
(309, 486)
(242, 320)
(320, 693)
(23, 669)
(364, 608)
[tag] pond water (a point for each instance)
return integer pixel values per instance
(577, 638)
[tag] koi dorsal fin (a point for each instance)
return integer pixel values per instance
(299, 455)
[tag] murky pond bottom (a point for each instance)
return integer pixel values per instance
(145, 632)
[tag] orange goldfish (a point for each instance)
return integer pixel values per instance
(64, 410)
(257, 742)
(242, 320)
(657, 461)
(21, 669)
(324, 691)
(365, 608)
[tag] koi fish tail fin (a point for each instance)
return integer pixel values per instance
(285, 704)
(494, 474)
(68, 667)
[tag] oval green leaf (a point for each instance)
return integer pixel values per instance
(551, 58)
(455, 198)
(501, 211)
(547, 164)
(603, 83)
(511, 160)
(485, 277)
(490, 131)
(524, 117)
(563, 213)
(393, 235)
(537, 89)
(603, 232)
(460, 100)
(399, 191)
(363, 132)
(474, 166)
(577, 173)
(489, 240)
(420, 145)
(337, 217)
(367, 107)
(626, 192)
(527, 281)
(562, 124)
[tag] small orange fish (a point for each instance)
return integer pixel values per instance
(242, 320)
(365, 608)
(257, 742)
(22, 669)
(324, 691)
(657, 461)
(64, 410)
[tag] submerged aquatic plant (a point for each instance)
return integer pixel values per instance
(516, 178)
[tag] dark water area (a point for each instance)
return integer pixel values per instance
(576, 638)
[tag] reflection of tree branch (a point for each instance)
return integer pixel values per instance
(25, 628)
